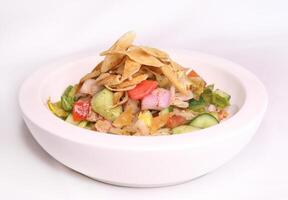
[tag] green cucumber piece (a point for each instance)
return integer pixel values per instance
(67, 103)
(215, 114)
(102, 103)
(68, 98)
(207, 94)
(83, 124)
(67, 90)
(56, 109)
(220, 98)
(184, 129)
(197, 105)
(70, 120)
(204, 120)
(72, 92)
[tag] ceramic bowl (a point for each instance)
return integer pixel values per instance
(144, 161)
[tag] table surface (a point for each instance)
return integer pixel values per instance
(31, 40)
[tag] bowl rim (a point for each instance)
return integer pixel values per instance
(252, 111)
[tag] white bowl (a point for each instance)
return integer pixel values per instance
(144, 161)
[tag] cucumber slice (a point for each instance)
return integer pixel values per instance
(204, 120)
(70, 120)
(220, 98)
(83, 124)
(102, 103)
(184, 129)
(215, 114)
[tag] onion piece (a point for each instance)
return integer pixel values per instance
(90, 86)
(158, 99)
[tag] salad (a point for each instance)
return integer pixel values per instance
(140, 90)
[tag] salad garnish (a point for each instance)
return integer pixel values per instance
(140, 90)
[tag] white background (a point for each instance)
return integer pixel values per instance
(252, 33)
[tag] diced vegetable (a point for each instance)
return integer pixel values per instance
(222, 114)
(102, 103)
(157, 100)
(175, 120)
(184, 129)
(193, 74)
(220, 98)
(215, 114)
(72, 92)
(165, 111)
(83, 124)
(57, 109)
(204, 120)
(67, 90)
(67, 103)
(146, 117)
(70, 120)
(207, 94)
(197, 105)
(80, 110)
(67, 99)
(142, 89)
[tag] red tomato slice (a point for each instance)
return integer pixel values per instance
(142, 89)
(175, 121)
(80, 110)
(193, 74)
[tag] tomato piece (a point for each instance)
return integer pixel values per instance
(80, 110)
(175, 120)
(193, 74)
(142, 89)
(222, 114)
